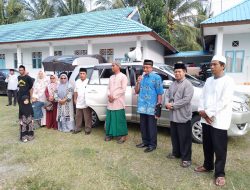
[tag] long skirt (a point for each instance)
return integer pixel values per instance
(26, 128)
(116, 124)
(51, 117)
(65, 125)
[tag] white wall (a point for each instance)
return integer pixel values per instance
(244, 41)
(154, 51)
(151, 50)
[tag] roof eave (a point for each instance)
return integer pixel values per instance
(203, 25)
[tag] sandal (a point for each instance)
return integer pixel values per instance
(107, 138)
(201, 169)
(185, 164)
(220, 181)
(122, 140)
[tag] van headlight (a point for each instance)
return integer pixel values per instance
(240, 107)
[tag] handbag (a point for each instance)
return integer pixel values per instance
(49, 106)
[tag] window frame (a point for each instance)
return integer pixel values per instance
(37, 60)
(233, 66)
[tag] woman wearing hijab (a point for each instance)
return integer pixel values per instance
(51, 107)
(26, 119)
(65, 110)
(39, 93)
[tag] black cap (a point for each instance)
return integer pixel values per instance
(83, 70)
(180, 66)
(148, 62)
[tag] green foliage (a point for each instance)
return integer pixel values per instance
(11, 11)
(185, 37)
(38, 9)
(104, 4)
(69, 7)
(152, 15)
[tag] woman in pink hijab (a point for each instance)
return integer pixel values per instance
(51, 107)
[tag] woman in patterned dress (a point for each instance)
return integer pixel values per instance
(39, 87)
(65, 110)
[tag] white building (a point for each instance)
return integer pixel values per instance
(111, 33)
(228, 34)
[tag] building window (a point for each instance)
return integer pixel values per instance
(37, 60)
(235, 61)
(81, 52)
(57, 53)
(2, 61)
(15, 60)
(108, 54)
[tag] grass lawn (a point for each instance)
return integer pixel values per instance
(63, 161)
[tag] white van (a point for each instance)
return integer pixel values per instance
(96, 98)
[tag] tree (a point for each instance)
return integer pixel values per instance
(152, 15)
(151, 11)
(104, 4)
(38, 9)
(11, 11)
(69, 7)
(181, 31)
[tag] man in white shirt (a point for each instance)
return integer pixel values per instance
(82, 110)
(215, 110)
(12, 81)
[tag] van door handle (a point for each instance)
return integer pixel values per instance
(92, 91)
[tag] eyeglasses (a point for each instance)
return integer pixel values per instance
(63, 78)
(52, 78)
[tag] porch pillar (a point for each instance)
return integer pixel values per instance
(19, 55)
(138, 42)
(139, 45)
(51, 49)
(219, 42)
(90, 47)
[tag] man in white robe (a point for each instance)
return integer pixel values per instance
(215, 110)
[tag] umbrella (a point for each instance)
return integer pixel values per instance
(59, 63)
(64, 63)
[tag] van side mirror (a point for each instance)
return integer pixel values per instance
(166, 83)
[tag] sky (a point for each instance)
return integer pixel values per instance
(226, 4)
(216, 4)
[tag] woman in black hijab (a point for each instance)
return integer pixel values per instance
(26, 115)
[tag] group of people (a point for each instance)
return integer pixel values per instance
(52, 106)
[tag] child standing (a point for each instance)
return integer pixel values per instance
(26, 119)
(38, 113)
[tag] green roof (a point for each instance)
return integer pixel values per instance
(107, 22)
(240, 12)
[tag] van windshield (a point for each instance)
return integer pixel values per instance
(196, 82)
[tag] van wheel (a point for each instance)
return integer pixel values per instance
(196, 129)
(95, 120)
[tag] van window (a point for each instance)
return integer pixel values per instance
(94, 77)
(106, 74)
(89, 71)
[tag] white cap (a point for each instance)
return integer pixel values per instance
(219, 58)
